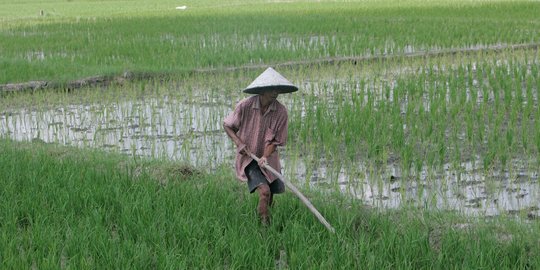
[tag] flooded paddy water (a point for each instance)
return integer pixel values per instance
(155, 128)
(189, 130)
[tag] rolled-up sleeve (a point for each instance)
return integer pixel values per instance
(234, 119)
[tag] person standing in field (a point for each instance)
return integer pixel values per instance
(258, 125)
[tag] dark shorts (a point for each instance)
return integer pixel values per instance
(256, 178)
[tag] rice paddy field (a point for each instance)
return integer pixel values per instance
(415, 132)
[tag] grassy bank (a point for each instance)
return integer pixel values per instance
(73, 208)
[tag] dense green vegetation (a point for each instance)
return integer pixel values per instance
(438, 114)
(86, 38)
(427, 115)
(69, 208)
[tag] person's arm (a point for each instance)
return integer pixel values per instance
(239, 144)
(278, 138)
(268, 150)
(232, 134)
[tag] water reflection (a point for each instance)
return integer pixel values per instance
(467, 189)
(155, 127)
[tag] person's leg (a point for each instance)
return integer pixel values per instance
(264, 200)
(271, 201)
(276, 187)
(257, 182)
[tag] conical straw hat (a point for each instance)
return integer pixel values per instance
(270, 80)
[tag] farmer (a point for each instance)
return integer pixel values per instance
(257, 126)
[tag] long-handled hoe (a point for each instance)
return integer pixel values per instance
(298, 194)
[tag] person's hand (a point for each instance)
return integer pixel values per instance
(243, 149)
(263, 162)
(246, 152)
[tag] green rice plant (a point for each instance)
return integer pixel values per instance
(362, 113)
(158, 39)
(537, 140)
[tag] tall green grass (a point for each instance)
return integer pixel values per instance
(71, 208)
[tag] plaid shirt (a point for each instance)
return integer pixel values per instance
(257, 131)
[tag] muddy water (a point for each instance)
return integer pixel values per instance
(467, 189)
(191, 132)
(165, 128)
